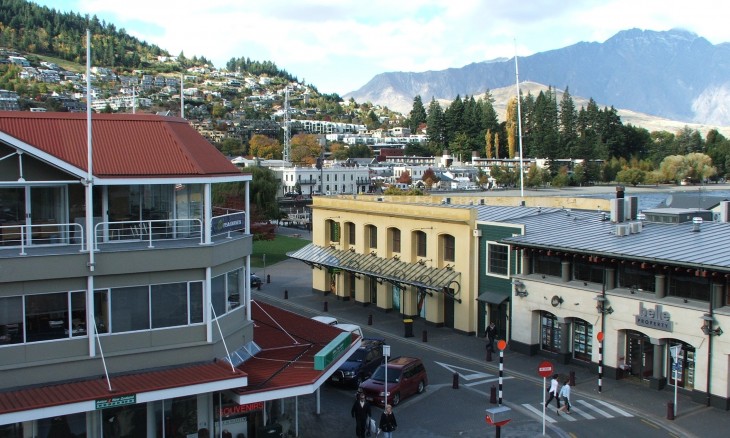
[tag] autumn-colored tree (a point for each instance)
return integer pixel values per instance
(265, 147)
(405, 177)
(338, 151)
(496, 145)
(488, 141)
(429, 177)
(305, 148)
(511, 126)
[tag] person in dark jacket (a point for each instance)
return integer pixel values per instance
(491, 333)
(387, 422)
(361, 413)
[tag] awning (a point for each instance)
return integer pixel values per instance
(391, 270)
(493, 297)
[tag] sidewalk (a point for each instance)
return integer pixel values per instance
(692, 419)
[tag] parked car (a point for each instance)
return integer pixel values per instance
(361, 364)
(406, 376)
(256, 280)
(352, 328)
(329, 320)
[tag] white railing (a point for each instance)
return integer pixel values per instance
(150, 231)
(46, 234)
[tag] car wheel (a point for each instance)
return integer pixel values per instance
(396, 399)
(421, 387)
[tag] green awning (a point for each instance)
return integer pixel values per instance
(493, 297)
(391, 270)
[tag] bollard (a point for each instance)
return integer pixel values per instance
(489, 355)
(572, 379)
(370, 319)
(268, 278)
(325, 306)
(455, 385)
(424, 336)
(493, 395)
(670, 411)
(408, 328)
(286, 294)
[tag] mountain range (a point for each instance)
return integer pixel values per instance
(674, 75)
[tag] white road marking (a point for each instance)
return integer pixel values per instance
(610, 406)
(600, 411)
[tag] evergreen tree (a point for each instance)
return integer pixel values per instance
(568, 125)
(417, 115)
(435, 129)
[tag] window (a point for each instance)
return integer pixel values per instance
(588, 272)
(46, 316)
(549, 332)
(690, 287)
(547, 265)
(169, 305)
(629, 276)
(350, 233)
(498, 259)
(130, 309)
(372, 234)
(196, 302)
(395, 239)
(420, 244)
(449, 243)
(11, 320)
(582, 340)
(334, 228)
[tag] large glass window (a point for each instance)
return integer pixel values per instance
(46, 316)
(218, 295)
(130, 309)
(549, 332)
(225, 292)
(547, 265)
(634, 277)
(233, 292)
(169, 305)
(690, 287)
(196, 302)
(11, 320)
(588, 272)
(498, 259)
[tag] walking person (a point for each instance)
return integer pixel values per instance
(387, 422)
(565, 395)
(491, 335)
(361, 413)
(553, 391)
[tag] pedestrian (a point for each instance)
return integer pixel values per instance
(565, 395)
(553, 391)
(387, 422)
(361, 413)
(491, 334)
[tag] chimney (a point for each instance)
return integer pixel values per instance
(632, 207)
(619, 192)
(617, 210)
(725, 211)
(696, 223)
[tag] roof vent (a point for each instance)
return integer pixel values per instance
(622, 229)
(636, 227)
(696, 223)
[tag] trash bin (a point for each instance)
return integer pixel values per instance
(408, 324)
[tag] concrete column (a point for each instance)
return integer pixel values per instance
(610, 278)
(658, 377)
(716, 297)
(565, 265)
(565, 338)
(525, 262)
(660, 285)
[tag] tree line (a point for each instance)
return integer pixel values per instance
(555, 129)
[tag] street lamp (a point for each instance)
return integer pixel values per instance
(707, 321)
(386, 354)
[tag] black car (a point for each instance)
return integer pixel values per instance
(361, 364)
(255, 280)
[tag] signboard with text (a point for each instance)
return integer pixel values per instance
(114, 402)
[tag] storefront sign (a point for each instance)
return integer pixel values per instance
(654, 318)
(228, 223)
(331, 351)
(228, 411)
(116, 401)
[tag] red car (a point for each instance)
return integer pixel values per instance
(406, 376)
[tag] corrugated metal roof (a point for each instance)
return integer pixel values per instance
(97, 389)
(124, 145)
(672, 244)
(391, 270)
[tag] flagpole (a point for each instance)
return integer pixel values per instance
(519, 125)
(89, 186)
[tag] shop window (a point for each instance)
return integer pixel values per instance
(549, 332)
(636, 278)
(588, 272)
(547, 265)
(582, 340)
(130, 308)
(62, 426)
(126, 421)
(169, 305)
(46, 316)
(498, 259)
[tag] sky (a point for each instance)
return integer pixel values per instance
(339, 45)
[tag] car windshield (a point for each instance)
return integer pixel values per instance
(393, 375)
(357, 356)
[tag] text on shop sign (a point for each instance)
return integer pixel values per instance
(654, 318)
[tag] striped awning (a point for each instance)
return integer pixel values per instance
(391, 270)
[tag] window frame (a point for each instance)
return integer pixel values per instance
(491, 252)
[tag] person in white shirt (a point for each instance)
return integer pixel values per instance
(553, 391)
(565, 395)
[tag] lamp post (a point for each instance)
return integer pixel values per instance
(386, 354)
(707, 322)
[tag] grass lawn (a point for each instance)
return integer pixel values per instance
(275, 250)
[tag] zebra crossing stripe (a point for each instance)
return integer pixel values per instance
(610, 406)
(582, 413)
(481, 382)
(602, 412)
(538, 412)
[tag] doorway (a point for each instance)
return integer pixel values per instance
(640, 355)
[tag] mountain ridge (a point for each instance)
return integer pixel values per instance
(644, 71)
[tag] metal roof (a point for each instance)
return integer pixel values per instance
(391, 270)
(124, 145)
(585, 232)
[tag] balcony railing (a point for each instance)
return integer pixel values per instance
(21, 238)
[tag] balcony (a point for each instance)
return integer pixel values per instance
(70, 238)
